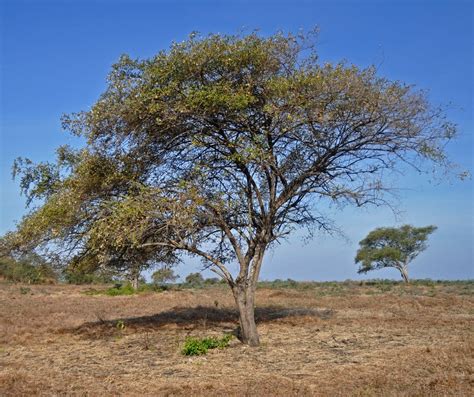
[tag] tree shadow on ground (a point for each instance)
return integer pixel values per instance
(189, 318)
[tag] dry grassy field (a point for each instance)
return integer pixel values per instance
(317, 339)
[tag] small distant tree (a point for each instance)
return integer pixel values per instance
(392, 247)
(164, 275)
(194, 279)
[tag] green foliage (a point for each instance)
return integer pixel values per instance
(195, 346)
(120, 325)
(119, 289)
(288, 283)
(164, 275)
(144, 287)
(194, 280)
(392, 247)
(27, 269)
(211, 281)
(74, 275)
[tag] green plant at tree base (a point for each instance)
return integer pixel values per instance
(196, 346)
(120, 325)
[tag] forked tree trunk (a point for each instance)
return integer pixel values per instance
(244, 295)
(245, 299)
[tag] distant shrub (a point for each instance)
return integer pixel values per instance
(211, 281)
(385, 287)
(197, 347)
(194, 280)
(163, 276)
(116, 290)
(374, 286)
(30, 269)
(379, 281)
(278, 283)
(72, 277)
(76, 275)
(151, 288)
(426, 282)
(126, 289)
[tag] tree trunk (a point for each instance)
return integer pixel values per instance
(135, 278)
(245, 299)
(404, 272)
(244, 295)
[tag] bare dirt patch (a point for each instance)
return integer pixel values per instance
(331, 341)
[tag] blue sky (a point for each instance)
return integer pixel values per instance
(55, 56)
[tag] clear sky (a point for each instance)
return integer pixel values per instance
(55, 56)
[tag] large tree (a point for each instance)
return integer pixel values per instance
(394, 247)
(223, 145)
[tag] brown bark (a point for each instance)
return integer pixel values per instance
(244, 295)
(245, 299)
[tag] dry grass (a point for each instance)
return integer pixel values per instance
(337, 341)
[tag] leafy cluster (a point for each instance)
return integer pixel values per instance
(196, 346)
(164, 275)
(118, 290)
(194, 280)
(82, 274)
(27, 269)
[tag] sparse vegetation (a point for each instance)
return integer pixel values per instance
(332, 337)
(119, 289)
(198, 346)
(79, 275)
(163, 276)
(124, 289)
(120, 325)
(25, 290)
(29, 269)
(194, 280)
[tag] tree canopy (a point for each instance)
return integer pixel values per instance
(27, 268)
(164, 275)
(222, 146)
(392, 247)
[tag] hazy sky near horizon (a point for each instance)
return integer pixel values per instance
(55, 56)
